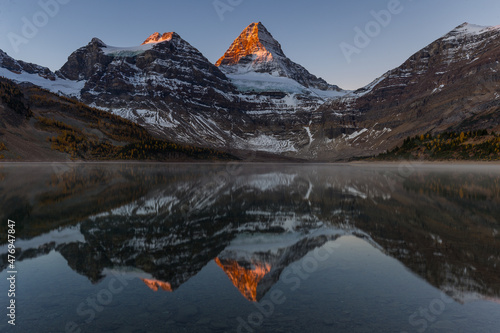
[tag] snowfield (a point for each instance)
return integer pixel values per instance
(59, 86)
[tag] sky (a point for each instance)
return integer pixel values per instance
(347, 42)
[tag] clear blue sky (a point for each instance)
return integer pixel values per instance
(310, 32)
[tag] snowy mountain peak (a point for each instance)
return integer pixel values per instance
(257, 53)
(157, 38)
(254, 44)
(471, 29)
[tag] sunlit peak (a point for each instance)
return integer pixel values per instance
(157, 38)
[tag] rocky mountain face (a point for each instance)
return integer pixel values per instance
(256, 51)
(37, 125)
(18, 67)
(255, 98)
(168, 86)
(164, 84)
(283, 94)
(451, 84)
(168, 66)
(157, 38)
(258, 67)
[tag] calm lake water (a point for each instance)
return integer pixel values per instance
(252, 248)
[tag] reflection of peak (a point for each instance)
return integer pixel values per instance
(255, 269)
(154, 284)
(245, 279)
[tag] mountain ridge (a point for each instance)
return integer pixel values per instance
(452, 84)
(169, 87)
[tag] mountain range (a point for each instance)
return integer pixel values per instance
(254, 98)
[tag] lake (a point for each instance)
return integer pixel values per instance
(251, 247)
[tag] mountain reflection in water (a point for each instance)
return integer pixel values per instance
(167, 222)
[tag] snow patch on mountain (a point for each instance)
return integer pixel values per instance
(268, 82)
(470, 29)
(126, 51)
(308, 130)
(259, 82)
(271, 144)
(368, 88)
(58, 86)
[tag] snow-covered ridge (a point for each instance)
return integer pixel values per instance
(126, 51)
(247, 81)
(57, 86)
(368, 88)
(257, 82)
(133, 51)
(23, 72)
(465, 30)
(468, 30)
(57, 237)
(473, 29)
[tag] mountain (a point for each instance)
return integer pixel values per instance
(166, 69)
(453, 84)
(257, 66)
(256, 51)
(256, 99)
(169, 87)
(164, 84)
(20, 71)
(37, 125)
(282, 94)
(18, 67)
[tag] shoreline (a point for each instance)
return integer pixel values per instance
(405, 163)
(416, 162)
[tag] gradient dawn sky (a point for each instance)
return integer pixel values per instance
(311, 32)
